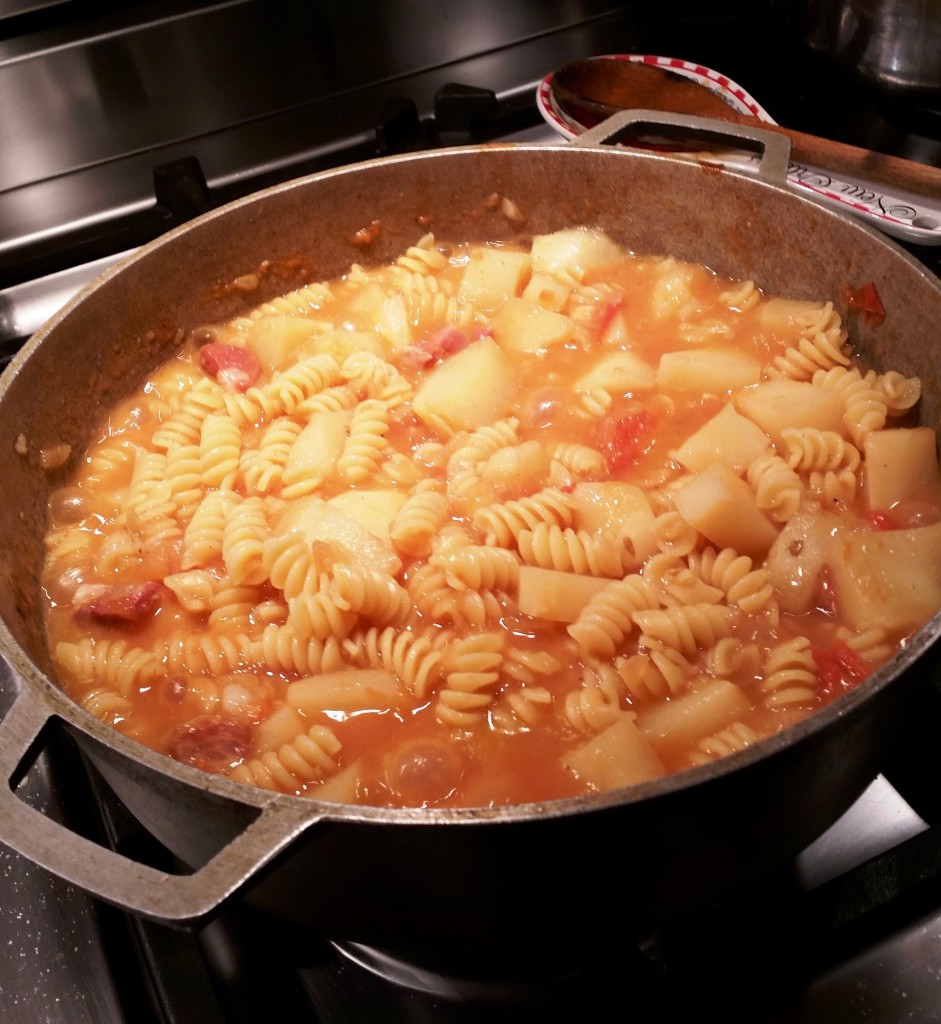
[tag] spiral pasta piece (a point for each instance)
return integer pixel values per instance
(309, 758)
(220, 443)
(478, 567)
(822, 346)
(790, 674)
(281, 649)
(409, 654)
(778, 489)
(202, 539)
(263, 473)
(113, 664)
(372, 594)
(568, 550)
(596, 704)
(865, 406)
(608, 618)
(419, 520)
(750, 589)
(243, 541)
(503, 523)
(366, 441)
(184, 426)
(472, 668)
(686, 628)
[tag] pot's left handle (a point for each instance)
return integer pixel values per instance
(112, 877)
(774, 149)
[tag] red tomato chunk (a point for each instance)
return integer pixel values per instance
(234, 367)
(839, 669)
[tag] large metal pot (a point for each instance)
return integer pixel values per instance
(434, 886)
(891, 46)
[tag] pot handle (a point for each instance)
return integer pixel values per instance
(112, 877)
(775, 149)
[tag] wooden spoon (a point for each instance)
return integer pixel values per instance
(591, 90)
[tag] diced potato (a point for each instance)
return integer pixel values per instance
(573, 251)
(472, 388)
(619, 373)
(681, 721)
(619, 508)
(797, 559)
(347, 690)
(618, 332)
(494, 275)
(779, 314)
(547, 292)
(722, 507)
(318, 520)
(517, 469)
(887, 578)
(899, 463)
(341, 344)
(282, 726)
(368, 300)
(707, 370)
(393, 323)
(317, 447)
(520, 326)
(341, 788)
(554, 595)
(373, 509)
(277, 340)
(776, 405)
(618, 756)
(728, 438)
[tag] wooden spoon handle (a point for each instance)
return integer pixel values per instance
(594, 89)
(840, 158)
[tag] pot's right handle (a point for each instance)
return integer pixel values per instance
(774, 150)
(177, 899)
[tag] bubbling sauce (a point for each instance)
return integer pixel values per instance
(493, 524)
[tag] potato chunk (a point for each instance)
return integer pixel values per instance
(472, 388)
(776, 405)
(722, 507)
(728, 438)
(520, 326)
(620, 373)
(318, 520)
(494, 275)
(618, 756)
(622, 509)
(707, 370)
(555, 595)
(887, 578)
(899, 463)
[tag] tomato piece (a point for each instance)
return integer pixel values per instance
(867, 301)
(839, 669)
(234, 367)
(881, 520)
(625, 437)
(610, 311)
(116, 604)
(211, 742)
(443, 342)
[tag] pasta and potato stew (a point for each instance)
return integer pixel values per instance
(493, 524)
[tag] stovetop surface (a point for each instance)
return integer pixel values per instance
(97, 100)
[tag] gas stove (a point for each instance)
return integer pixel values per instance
(124, 119)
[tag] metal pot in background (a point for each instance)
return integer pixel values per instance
(893, 46)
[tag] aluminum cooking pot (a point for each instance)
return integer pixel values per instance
(436, 886)
(891, 46)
